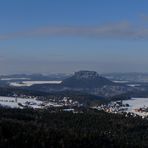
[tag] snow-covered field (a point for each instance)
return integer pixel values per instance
(30, 83)
(136, 103)
(133, 85)
(13, 102)
(16, 102)
(121, 82)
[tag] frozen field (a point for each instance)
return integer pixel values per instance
(30, 83)
(14, 102)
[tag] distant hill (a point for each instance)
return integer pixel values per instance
(86, 79)
(33, 77)
(89, 82)
(129, 77)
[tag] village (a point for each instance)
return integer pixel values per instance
(24, 101)
(123, 107)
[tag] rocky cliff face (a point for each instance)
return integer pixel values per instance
(86, 75)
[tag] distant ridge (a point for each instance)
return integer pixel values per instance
(89, 82)
(86, 79)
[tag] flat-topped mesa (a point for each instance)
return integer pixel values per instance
(86, 79)
(86, 75)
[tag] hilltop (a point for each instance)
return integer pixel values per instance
(86, 79)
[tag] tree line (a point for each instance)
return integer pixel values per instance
(43, 129)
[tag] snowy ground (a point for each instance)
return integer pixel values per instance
(120, 81)
(13, 102)
(136, 103)
(134, 85)
(30, 83)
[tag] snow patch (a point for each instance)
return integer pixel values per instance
(30, 83)
(121, 82)
(14, 102)
(136, 103)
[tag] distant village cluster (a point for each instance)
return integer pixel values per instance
(113, 107)
(24, 101)
(122, 108)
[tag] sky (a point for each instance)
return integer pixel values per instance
(63, 36)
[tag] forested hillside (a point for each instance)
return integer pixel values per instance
(54, 129)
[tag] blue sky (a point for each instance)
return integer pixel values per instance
(49, 36)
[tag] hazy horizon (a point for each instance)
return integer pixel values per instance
(71, 73)
(67, 36)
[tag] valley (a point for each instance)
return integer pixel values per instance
(83, 88)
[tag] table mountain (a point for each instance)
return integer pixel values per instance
(86, 79)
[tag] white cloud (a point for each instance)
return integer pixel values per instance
(119, 30)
